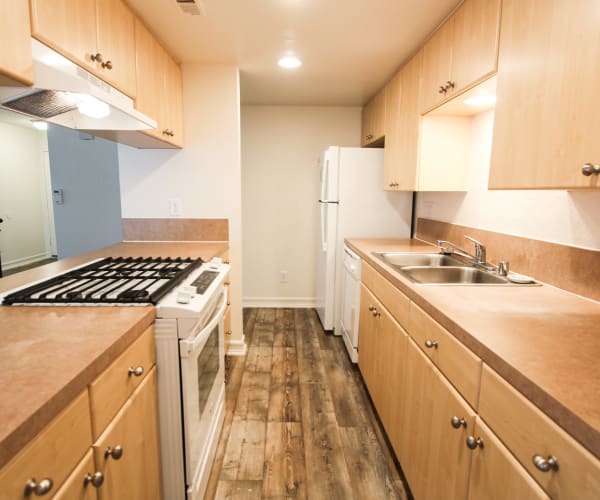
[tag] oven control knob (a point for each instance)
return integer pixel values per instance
(185, 294)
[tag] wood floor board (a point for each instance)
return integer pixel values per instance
(284, 472)
(238, 490)
(298, 421)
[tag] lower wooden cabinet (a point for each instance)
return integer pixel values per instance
(127, 451)
(495, 473)
(81, 484)
(436, 422)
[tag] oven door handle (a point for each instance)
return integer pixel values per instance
(188, 346)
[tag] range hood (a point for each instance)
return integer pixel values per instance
(62, 88)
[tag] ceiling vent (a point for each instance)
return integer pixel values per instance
(192, 7)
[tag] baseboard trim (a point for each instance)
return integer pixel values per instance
(290, 302)
(24, 261)
(237, 347)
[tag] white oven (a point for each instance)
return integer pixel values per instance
(191, 389)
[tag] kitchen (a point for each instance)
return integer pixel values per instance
(214, 89)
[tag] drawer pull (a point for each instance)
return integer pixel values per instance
(116, 452)
(97, 57)
(473, 443)
(107, 65)
(545, 464)
(228, 332)
(38, 489)
(431, 344)
(375, 312)
(371, 308)
(457, 423)
(136, 372)
(96, 479)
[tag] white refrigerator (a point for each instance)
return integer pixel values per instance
(353, 204)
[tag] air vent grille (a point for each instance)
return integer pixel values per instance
(45, 103)
(192, 7)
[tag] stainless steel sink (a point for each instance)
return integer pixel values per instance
(453, 276)
(400, 260)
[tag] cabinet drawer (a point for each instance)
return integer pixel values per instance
(393, 299)
(53, 453)
(112, 388)
(527, 432)
(460, 365)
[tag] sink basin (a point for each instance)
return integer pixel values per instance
(397, 259)
(452, 276)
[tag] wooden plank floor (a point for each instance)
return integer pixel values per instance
(298, 421)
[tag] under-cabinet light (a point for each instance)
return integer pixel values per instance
(480, 100)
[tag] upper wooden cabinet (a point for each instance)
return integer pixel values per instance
(546, 122)
(402, 128)
(463, 51)
(97, 34)
(15, 64)
(373, 119)
(159, 90)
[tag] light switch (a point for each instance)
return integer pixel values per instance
(175, 207)
(57, 196)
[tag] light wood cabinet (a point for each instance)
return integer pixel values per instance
(373, 119)
(15, 64)
(96, 34)
(533, 438)
(546, 126)
(433, 453)
(495, 474)
(159, 88)
(462, 52)
(79, 485)
(401, 156)
(127, 451)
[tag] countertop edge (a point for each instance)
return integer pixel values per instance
(575, 426)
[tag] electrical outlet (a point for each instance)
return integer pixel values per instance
(175, 207)
(283, 276)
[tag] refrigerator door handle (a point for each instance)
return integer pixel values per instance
(328, 201)
(323, 231)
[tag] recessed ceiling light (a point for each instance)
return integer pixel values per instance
(40, 125)
(480, 100)
(289, 62)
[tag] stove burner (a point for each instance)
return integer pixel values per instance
(122, 280)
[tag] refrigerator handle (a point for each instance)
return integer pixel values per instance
(323, 232)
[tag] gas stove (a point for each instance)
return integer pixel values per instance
(110, 281)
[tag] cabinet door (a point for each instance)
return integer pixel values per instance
(437, 56)
(392, 133)
(15, 64)
(149, 65)
(433, 454)
(402, 148)
(367, 341)
(68, 26)
(174, 99)
(116, 43)
(78, 485)
(136, 473)
(373, 119)
(495, 474)
(546, 126)
(475, 42)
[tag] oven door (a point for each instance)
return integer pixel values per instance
(203, 381)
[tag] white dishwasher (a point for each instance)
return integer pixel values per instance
(351, 302)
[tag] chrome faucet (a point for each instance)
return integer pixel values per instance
(447, 247)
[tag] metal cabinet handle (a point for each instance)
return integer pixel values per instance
(116, 452)
(442, 89)
(229, 332)
(38, 489)
(369, 136)
(137, 372)
(449, 85)
(96, 479)
(107, 65)
(226, 261)
(457, 423)
(375, 312)
(473, 443)
(97, 57)
(431, 344)
(589, 169)
(545, 464)
(371, 308)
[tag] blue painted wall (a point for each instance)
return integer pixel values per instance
(86, 168)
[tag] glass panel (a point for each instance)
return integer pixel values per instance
(208, 367)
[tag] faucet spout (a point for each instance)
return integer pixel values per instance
(480, 252)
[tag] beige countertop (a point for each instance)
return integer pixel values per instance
(542, 340)
(49, 354)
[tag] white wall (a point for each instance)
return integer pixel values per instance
(205, 175)
(566, 217)
(24, 236)
(280, 186)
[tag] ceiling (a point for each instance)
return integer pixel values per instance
(349, 48)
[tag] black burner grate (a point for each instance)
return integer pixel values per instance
(121, 280)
